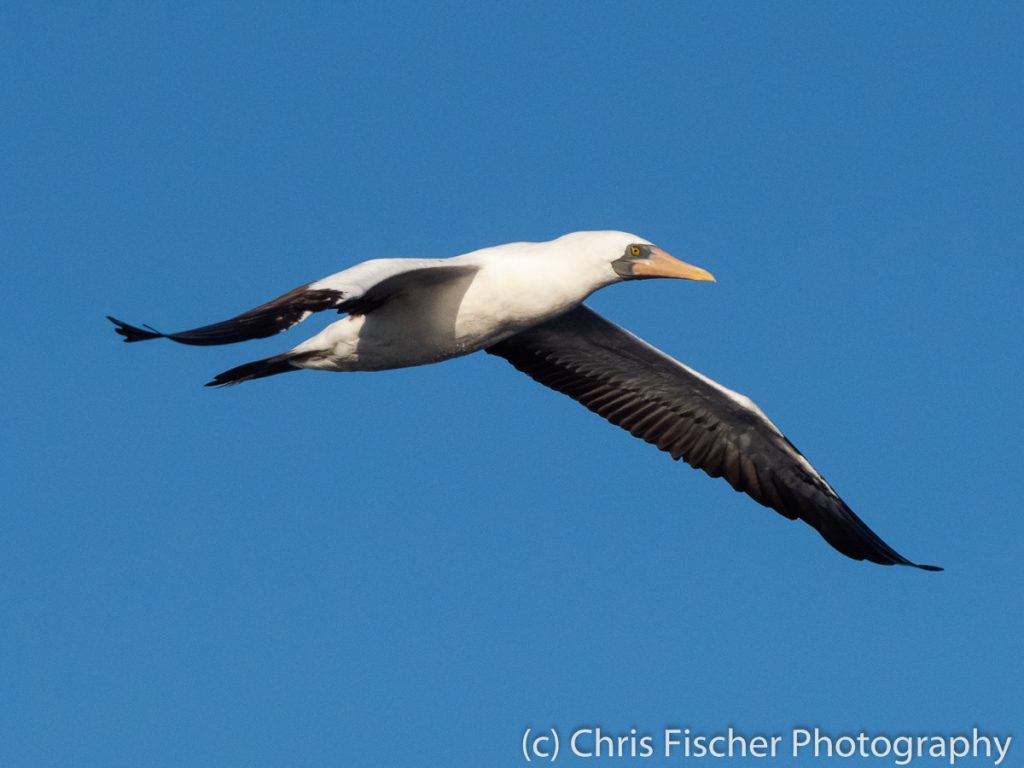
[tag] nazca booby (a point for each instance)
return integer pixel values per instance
(523, 302)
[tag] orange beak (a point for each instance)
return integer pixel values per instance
(660, 264)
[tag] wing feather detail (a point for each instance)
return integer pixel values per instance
(683, 413)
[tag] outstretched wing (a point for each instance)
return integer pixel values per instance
(639, 388)
(275, 316)
(357, 290)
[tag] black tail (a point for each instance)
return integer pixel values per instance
(131, 333)
(258, 369)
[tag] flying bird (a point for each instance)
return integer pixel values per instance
(524, 302)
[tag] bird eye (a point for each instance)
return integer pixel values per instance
(634, 250)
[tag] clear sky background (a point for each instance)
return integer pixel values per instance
(410, 568)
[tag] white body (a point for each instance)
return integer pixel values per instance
(515, 286)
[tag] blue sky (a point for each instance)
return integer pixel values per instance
(410, 568)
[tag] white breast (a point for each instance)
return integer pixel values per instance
(515, 287)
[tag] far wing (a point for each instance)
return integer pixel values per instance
(639, 388)
(357, 290)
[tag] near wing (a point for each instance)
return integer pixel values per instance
(637, 387)
(357, 291)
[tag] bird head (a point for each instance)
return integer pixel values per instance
(608, 257)
(643, 260)
(629, 257)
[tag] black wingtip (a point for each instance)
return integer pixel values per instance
(131, 333)
(929, 567)
(257, 369)
(219, 381)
